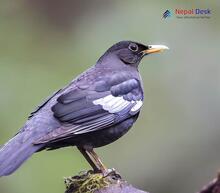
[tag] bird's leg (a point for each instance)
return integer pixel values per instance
(98, 161)
(94, 160)
(87, 156)
(105, 171)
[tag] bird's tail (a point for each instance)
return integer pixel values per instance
(15, 152)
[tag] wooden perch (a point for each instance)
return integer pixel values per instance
(96, 183)
(89, 182)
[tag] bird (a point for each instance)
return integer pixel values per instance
(93, 110)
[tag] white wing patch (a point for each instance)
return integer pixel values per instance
(114, 104)
(137, 106)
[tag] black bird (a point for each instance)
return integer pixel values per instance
(95, 109)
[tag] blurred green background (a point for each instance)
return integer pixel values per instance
(174, 146)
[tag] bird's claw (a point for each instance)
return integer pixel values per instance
(112, 173)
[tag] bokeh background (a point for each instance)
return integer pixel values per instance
(174, 147)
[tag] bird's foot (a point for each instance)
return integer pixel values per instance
(111, 173)
(107, 173)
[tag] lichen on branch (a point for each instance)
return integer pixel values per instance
(89, 182)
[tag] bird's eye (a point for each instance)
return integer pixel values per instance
(133, 47)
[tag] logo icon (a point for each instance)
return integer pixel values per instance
(167, 14)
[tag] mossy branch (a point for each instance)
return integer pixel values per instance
(90, 182)
(95, 183)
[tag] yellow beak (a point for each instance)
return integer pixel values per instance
(154, 49)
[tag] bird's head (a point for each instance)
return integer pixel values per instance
(130, 52)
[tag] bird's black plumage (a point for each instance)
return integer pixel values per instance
(79, 115)
(95, 109)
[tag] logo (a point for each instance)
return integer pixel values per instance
(167, 14)
(180, 13)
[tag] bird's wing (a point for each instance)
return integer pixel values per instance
(43, 104)
(105, 103)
